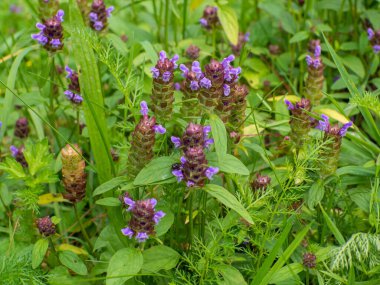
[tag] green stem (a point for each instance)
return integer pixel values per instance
(83, 230)
(191, 222)
(203, 218)
(184, 18)
(166, 24)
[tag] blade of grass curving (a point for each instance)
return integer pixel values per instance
(334, 229)
(353, 91)
(8, 101)
(94, 113)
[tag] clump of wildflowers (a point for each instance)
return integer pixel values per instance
(190, 87)
(194, 169)
(73, 92)
(144, 217)
(163, 86)
(47, 8)
(210, 18)
(73, 173)
(315, 78)
(45, 226)
(242, 39)
(51, 33)
(374, 38)
(332, 138)
(18, 155)
(99, 15)
(300, 122)
(143, 139)
(22, 128)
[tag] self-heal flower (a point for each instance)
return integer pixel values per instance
(211, 171)
(99, 15)
(315, 78)
(176, 141)
(73, 92)
(370, 33)
(300, 121)
(226, 90)
(18, 155)
(144, 108)
(159, 129)
(205, 83)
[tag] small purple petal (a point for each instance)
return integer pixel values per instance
(323, 124)
(158, 216)
(203, 22)
(93, 16)
(177, 86)
(183, 160)
(60, 15)
(166, 76)
(14, 150)
(69, 71)
(109, 11)
(162, 55)
(176, 141)
(40, 26)
(77, 98)
(343, 130)
(205, 83)
(309, 60)
(184, 69)
(174, 60)
(227, 61)
(190, 183)
(194, 86)
(144, 108)
(370, 33)
(159, 129)
(129, 202)
(376, 48)
(55, 43)
(141, 237)
(155, 72)
(178, 174)
(226, 90)
(317, 51)
(127, 232)
(208, 142)
(69, 94)
(211, 171)
(289, 104)
(206, 131)
(153, 202)
(246, 37)
(98, 25)
(316, 62)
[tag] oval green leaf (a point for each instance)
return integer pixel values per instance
(39, 251)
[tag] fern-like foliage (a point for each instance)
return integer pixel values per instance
(368, 100)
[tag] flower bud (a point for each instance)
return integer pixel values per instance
(22, 128)
(261, 182)
(309, 260)
(45, 226)
(192, 52)
(210, 18)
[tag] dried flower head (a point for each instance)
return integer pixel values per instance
(45, 226)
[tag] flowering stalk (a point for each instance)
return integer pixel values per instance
(374, 38)
(300, 122)
(99, 15)
(194, 168)
(210, 18)
(211, 85)
(73, 174)
(73, 92)
(239, 93)
(144, 217)
(315, 78)
(51, 33)
(143, 139)
(163, 86)
(47, 8)
(22, 128)
(333, 139)
(190, 87)
(18, 155)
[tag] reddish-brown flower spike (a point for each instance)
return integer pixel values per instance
(45, 226)
(210, 18)
(18, 154)
(22, 128)
(190, 88)
(73, 173)
(211, 85)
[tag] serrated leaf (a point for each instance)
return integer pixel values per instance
(158, 258)
(72, 262)
(219, 134)
(109, 185)
(39, 251)
(227, 199)
(125, 263)
(228, 19)
(158, 170)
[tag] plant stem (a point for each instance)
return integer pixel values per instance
(191, 222)
(166, 24)
(203, 218)
(83, 230)
(184, 18)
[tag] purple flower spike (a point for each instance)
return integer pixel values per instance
(159, 129)
(289, 104)
(144, 108)
(127, 232)
(178, 174)
(344, 129)
(162, 55)
(60, 15)
(317, 51)
(370, 33)
(176, 141)
(155, 72)
(93, 17)
(129, 202)
(376, 48)
(141, 237)
(205, 83)
(211, 171)
(226, 89)
(14, 150)
(69, 71)
(203, 22)
(166, 76)
(109, 11)
(158, 216)
(309, 60)
(194, 86)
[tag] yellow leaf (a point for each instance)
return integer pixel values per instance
(195, 4)
(50, 198)
(334, 114)
(291, 98)
(72, 248)
(253, 79)
(251, 130)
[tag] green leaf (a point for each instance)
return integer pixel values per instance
(219, 134)
(228, 163)
(287, 273)
(124, 264)
(73, 262)
(39, 251)
(150, 51)
(227, 199)
(229, 21)
(315, 194)
(354, 63)
(299, 37)
(109, 201)
(13, 168)
(158, 170)
(333, 228)
(231, 275)
(109, 185)
(38, 156)
(165, 223)
(158, 258)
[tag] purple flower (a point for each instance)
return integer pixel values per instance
(211, 171)
(317, 51)
(376, 48)
(206, 131)
(1, 124)
(162, 55)
(309, 60)
(153, 202)
(195, 67)
(205, 83)
(98, 25)
(208, 142)
(144, 108)
(141, 237)
(289, 104)
(184, 69)
(174, 60)
(194, 86)
(155, 72)
(69, 94)
(183, 160)
(60, 15)
(55, 43)
(323, 124)
(176, 141)
(42, 40)
(69, 71)
(177, 86)
(370, 33)
(190, 183)
(40, 26)
(129, 202)
(227, 61)
(93, 16)
(77, 98)
(127, 232)
(109, 11)
(166, 76)
(14, 150)
(178, 174)
(246, 36)
(343, 130)
(159, 129)
(226, 89)
(203, 22)
(158, 216)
